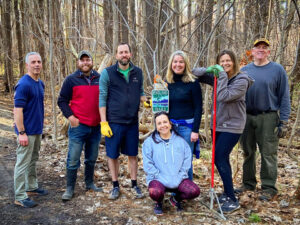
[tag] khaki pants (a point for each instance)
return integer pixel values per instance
(259, 130)
(25, 178)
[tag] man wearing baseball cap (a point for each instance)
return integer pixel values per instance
(268, 109)
(78, 101)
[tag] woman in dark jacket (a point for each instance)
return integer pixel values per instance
(185, 101)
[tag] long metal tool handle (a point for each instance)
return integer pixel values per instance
(214, 134)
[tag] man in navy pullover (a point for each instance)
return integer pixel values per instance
(29, 120)
(78, 101)
(268, 110)
(121, 90)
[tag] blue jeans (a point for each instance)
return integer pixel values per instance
(80, 137)
(185, 132)
(225, 142)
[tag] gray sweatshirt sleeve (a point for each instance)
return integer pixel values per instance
(228, 93)
(148, 163)
(183, 172)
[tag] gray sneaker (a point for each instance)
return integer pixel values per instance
(114, 193)
(137, 192)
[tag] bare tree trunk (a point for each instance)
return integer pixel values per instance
(38, 29)
(19, 37)
(218, 30)
(285, 30)
(123, 28)
(52, 78)
(25, 23)
(108, 26)
(189, 15)
(79, 22)
(7, 40)
(202, 34)
(176, 24)
(234, 41)
(115, 26)
(248, 9)
(261, 17)
(295, 74)
(132, 22)
(61, 42)
(150, 30)
(75, 36)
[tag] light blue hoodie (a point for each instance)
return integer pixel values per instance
(166, 162)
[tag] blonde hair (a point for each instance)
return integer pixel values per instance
(187, 74)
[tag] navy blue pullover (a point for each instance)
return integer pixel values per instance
(270, 91)
(185, 100)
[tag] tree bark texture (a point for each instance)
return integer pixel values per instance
(7, 41)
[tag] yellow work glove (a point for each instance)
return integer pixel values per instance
(105, 129)
(148, 104)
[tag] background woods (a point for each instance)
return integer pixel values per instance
(154, 28)
(59, 29)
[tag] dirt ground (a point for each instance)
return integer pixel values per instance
(95, 208)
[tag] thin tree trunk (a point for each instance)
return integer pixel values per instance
(51, 72)
(19, 37)
(38, 29)
(108, 26)
(7, 36)
(176, 24)
(133, 21)
(285, 30)
(79, 22)
(123, 28)
(218, 29)
(189, 15)
(115, 26)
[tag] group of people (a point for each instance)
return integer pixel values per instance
(253, 106)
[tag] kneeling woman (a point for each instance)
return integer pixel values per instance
(166, 160)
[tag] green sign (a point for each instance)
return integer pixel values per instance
(160, 100)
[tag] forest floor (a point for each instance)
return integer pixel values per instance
(95, 208)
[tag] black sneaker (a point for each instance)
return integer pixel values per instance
(223, 198)
(230, 206)
(242, 189)
(37, 192)
(175, 203)
(158, 209)
(265, 196)
(27, 203)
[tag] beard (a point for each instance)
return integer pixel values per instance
(85, 68)
(124, 61)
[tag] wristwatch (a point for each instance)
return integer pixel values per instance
(22, 132)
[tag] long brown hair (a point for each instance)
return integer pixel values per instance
(236, 66)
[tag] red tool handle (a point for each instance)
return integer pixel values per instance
(214, 133)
